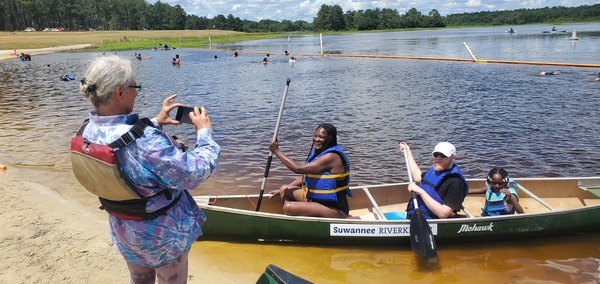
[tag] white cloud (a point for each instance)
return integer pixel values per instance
(306, 10)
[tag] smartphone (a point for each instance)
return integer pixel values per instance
(183, 114)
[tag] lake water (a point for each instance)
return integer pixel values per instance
(495, 114)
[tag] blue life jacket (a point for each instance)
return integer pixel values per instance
(495, 204)
(431, 183)
(324, 187)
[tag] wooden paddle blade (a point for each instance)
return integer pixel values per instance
(421, 237)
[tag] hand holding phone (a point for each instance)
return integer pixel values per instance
(183, 114)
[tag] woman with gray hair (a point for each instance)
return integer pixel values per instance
(140, 175)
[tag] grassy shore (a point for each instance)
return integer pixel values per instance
(126, 40)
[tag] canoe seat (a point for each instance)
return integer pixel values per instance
(363, 214)
(371, 213)
(592, 186)
(590, 202)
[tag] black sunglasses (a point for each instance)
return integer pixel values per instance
(438, 155)
(138, 87)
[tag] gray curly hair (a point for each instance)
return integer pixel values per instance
(103, 76)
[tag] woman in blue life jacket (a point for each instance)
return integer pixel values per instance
(321, 190)
(501, 197)
(155, 231)
(442, 189)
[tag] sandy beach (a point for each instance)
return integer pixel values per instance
(8, 54)
(48, 238)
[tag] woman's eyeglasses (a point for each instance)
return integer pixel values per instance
(138, 87)
(439, 155)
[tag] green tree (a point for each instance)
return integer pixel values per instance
(330, 18)
(434, 19)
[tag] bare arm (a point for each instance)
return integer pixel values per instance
(415, 171)
(477, 190)
(513, 200)
(440, 210)
(328, 162)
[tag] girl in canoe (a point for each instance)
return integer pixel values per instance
(501, 197)
(321, 190)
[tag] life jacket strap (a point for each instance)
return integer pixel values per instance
(325, 191)
(134, 133)
(342, 175)
(108, 207)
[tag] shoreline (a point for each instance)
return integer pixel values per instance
(8, 54)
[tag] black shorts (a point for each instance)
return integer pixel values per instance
(341, 205)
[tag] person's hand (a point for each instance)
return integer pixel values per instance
(274, 193)
(506, 192)
(403, 146)
(274, 146)
(413, 187)
(200, 118)
(163, 116)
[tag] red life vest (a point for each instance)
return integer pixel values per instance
(97, 169)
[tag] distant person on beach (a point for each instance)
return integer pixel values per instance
(264, 61)
(176, 60)
(598, 77)
(554, 29)
(501, 197)
(442, 189)
(321, 190)
(155, 221)
(292, 60)
(235, 54)
(25, 57)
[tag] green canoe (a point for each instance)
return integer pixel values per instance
(552, 206)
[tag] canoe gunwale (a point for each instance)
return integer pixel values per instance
(247, 225)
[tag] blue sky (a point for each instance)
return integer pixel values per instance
(256, 10)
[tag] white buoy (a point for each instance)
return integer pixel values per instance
(574, 35)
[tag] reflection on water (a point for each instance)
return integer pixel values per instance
(495, 114)
(555, 260)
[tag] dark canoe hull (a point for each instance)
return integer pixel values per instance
(245, 225)
(276, 275)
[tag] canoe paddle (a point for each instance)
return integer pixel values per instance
(421, 237)
(264, 182)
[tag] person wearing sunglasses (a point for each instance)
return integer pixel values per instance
(153, 218)
(501, 197)
(442, 189)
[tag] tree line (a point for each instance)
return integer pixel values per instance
(74, 15)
